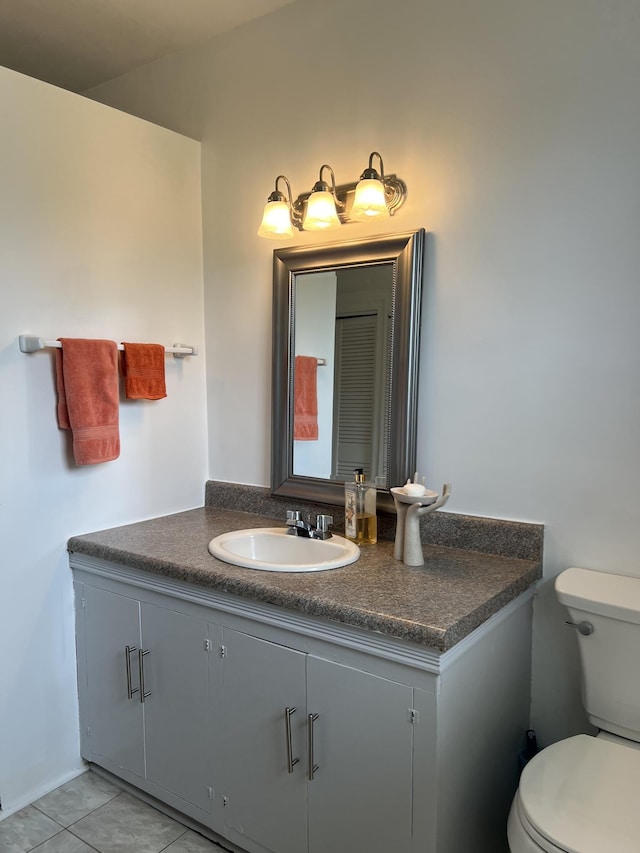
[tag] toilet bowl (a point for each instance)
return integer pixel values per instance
(582, 794)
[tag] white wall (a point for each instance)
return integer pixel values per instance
(100, 236)
(315, 334)
(516, 127)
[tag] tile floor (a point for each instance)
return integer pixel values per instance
(89, 814)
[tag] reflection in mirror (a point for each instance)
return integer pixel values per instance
(343, 318)
(345, 351)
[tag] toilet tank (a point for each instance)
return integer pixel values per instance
(610, 655)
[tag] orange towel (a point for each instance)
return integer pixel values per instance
(305, 408)
(88, 397)
(143, 371)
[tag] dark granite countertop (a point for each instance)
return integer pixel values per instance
(435, 605)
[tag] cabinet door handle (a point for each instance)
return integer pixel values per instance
(128, 651)
(291, 761)
(142, 653)
(312, 765)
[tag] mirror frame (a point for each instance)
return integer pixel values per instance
(406, 252)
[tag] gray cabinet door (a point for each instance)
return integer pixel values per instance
(116, 722)
(360, 796)
(264, 802)
(176, 676)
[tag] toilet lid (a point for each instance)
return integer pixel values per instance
(582, 794)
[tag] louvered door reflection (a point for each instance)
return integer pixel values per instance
(355, 433)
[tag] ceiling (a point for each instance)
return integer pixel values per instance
(77, 44)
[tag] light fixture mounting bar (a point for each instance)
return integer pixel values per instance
(395, 191)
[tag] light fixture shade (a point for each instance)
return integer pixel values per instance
(276, 221)
(321, 212)
(369, 201)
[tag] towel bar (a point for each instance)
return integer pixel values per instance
(30, 343)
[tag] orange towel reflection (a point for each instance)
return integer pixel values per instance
(305, 408)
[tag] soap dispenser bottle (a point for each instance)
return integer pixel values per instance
(360, 522)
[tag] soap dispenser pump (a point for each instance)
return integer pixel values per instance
(360, 521)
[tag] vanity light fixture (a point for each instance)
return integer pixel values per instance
(321, 213)
(276, 218)
(370, 201)
(327, 206)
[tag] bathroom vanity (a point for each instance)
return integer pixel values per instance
(373, 707)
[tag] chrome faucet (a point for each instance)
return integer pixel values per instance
(299, 527)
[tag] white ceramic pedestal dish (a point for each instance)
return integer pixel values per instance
(409, 509)
(428, 497)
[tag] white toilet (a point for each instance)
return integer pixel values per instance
(582, 795)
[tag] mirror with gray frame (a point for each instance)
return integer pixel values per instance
(346, 336)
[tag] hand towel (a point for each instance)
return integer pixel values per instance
(143, 371)
(88, 398)
(305, 399)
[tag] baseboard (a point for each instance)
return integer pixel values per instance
(41, 791)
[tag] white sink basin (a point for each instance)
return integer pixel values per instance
(272, 549)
